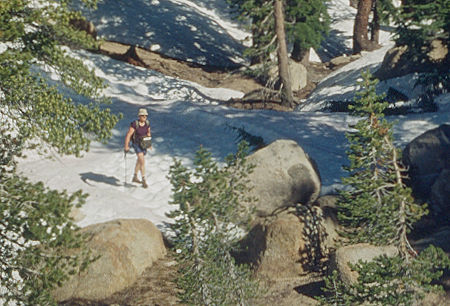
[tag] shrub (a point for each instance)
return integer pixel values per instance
(206, 229)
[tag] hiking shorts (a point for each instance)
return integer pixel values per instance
(138, 149)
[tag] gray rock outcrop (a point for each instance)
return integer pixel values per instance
(284, 175)
(329, 222)
(353, 253)
(297, 72)
(440, 194)
(289, 244)
(428, 160)
(275, 248)
(126, 246)
(343, 60)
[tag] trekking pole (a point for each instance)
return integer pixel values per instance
(125, 157)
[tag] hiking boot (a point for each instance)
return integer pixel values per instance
(136, 180)
(144, 183)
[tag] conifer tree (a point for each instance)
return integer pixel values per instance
(306, 23)
(419, 23)
(37, 235)
(206, 229)
(32, 37)
(377, 208)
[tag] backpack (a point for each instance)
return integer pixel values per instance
(146, 141)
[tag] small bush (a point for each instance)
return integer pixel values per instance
(206, 226)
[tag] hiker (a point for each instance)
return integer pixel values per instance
(138, 129)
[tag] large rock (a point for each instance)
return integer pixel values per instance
(440, 195)
(275, 248)
(354, 253)
(288, 244)
(343, 60)
(329, 222)
(284, 175)
(427, 156)
(127, 247)
(297, 73)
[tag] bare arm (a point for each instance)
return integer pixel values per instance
(128, 138)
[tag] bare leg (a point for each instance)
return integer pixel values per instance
(140, 167)
(140, 164)
(137, 168)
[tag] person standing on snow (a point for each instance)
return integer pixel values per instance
(138, 129)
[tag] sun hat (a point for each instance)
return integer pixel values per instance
(142, 112)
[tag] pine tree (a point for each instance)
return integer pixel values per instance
(33, 34)
(206, 229)
(382, 15)
(37, 239)
(377, 208)
(39, 244)
(389, 280)
(306, 22)
(419, 23)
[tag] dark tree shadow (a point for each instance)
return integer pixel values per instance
(180, 31)
(333, 45)
(315, 254)
(311, 289)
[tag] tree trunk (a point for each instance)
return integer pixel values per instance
(360, 31)
(287, 99)
(300, 55)
(375, 27)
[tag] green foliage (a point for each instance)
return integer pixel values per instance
(306, 24)
(33, 36)
(389, 280)
(206, 227)
(255, 142)
(385, 10)
(39, 244)
(36, 239)
(434, 84)
(377, 208)
(419, 23)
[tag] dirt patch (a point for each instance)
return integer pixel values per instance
(156, 286)
(256, 96)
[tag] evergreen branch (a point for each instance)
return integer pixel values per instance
(403, 239)
(266, 19)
